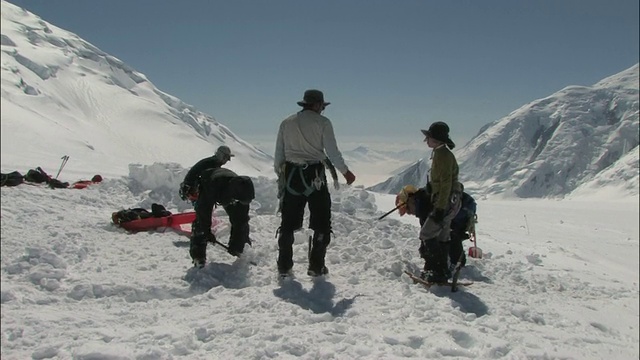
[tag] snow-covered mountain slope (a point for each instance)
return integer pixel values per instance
(55, 84)
(552, 146)
(415, 174)
(366, 154)
(621, 176)
(374, 165)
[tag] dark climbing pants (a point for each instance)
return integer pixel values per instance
(201, 227)
(293, 206)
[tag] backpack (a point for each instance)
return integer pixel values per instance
(127, 215)
(466, 218)
(57, 184)
(37, 176)
(242, 190)
(12, 179)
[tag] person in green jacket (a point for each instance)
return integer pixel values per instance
(445, 195)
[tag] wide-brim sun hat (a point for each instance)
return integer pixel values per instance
(439, 131)
(311, 97)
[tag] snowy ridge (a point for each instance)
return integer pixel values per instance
(54, 84)
(552, 146)
(620, 178)
(415, 174)
(373, 165)
(366, 154)
(543, 290)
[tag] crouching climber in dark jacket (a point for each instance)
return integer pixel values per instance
(218, 186)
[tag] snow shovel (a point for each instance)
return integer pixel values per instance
(474, 251)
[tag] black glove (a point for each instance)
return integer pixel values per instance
(185, 190)
(438, 216)
(423, 204)
(457, 234)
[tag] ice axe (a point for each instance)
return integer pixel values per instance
(216, 242)
(390, 211)
(474, 251)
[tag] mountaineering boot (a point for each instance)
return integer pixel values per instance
(285, 252)
(198, 247)
(435, 261)
(235, 253)
(435, 278)
(429, 274)
(317, 272)
(285, 274)
(199, 263)
(317, 251)
(238, 238)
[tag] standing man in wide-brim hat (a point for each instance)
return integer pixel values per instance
(303, 139)
(445, 193)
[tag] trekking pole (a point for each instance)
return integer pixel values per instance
(64, 162)
(390, 211)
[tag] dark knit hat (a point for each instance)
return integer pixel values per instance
(313, 97)
(439, 131)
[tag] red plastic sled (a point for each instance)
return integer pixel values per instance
(173, 221)
(82, 184)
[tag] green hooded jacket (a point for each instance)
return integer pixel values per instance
(444, 176)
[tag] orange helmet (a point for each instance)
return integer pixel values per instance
(403, 197)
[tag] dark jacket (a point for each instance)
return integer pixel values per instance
(225, 186)
(197, 171)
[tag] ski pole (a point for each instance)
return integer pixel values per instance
(64, 162)
(390, 211)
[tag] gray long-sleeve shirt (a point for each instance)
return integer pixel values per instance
(304, 137)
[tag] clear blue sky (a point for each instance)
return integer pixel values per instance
(388, 67)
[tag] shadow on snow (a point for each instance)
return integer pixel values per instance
(214, 274)
(318, 299)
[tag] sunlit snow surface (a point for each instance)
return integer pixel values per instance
(559, 279)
